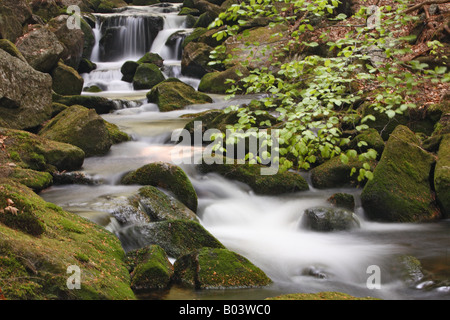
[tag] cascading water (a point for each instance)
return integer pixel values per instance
(265, 229)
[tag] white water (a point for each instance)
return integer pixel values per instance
(264, 229)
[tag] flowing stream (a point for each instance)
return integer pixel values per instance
(265, 229)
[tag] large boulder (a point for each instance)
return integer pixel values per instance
(172, 94)
(25, 94)
(150, 268)
(176, 237)
(29, 151)
(442, 175)
(66, 80)
(147, 76)
(41, 48)
(40, 241)
(195, 59)
(329, 219)
(400, 190)
(209, 268)
(73, 40)
(13, 16)
(80, 127)
(166, 176)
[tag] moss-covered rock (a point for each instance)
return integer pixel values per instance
(400, 190)
(86, 66)
(372, 139)
(176, 237)
(442, 175)
(343, 200)
(173, 94)
(150, 268)
(35, 253)
(80, 127)
(166, 176)
(144, 2)
(219, 81)
(57, 108)
(66, 80)
(209, 268)
(147, 76)
(116, 135)
(160, 206)
(329, 219)
(11, 48)
(29, 151)
(334, 173)
(25, 94)
(194, 36)
(251, 174)
(319, 296)
(128, 70)
(100, 104)
(152, 58)
(14, 15)
(35, 180)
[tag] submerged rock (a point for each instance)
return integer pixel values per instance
(209, 268)
(400, 190)
(173, 94)
(329, 219)
(166, 176)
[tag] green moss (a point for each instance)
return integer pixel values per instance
(210, 268)
(151, 58)
(442, 175)
(117, 135)
(218, 82)
(166, 176)
(319, 296)
(160, 206)
(400, 189)
(249, 174)
(33, 152)
(172, 95)
(373, 140)
(343, 200)
(66, 80)
(35, 180)
(10, 48)
(147, 76)
(150, 268)
(194, 36)
(37, 266)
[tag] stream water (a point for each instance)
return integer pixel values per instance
(265, 229)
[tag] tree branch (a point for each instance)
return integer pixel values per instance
(425, 3)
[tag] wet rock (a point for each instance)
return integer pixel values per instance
(101, 105)
(172, 94)
(152, 58)
(25, 94)
(147, 76)
(176, 237)
(209, 268)
(150, 268)
(128, 70)
(250, 174)
(166, 176)
(160, 206)
(41, 48)
(343, 200)
(329, 219)
(400, 190)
